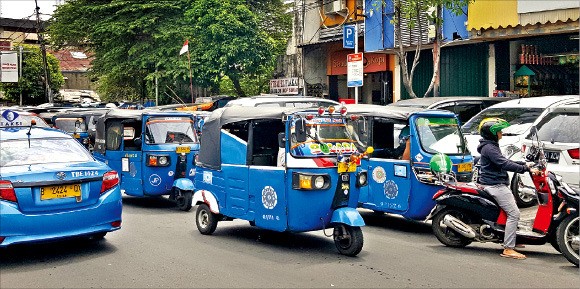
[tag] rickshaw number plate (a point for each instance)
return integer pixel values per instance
(181, 150)
(342, 167)
(59, 192)
(464, 167)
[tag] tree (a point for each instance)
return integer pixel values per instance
(410, 12)
(229, 42)
(31, 83)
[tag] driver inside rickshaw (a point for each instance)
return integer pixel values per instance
(402, 152)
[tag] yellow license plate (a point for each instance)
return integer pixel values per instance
(62, 191)
(184, 150)
(464, 167)
(342, 167)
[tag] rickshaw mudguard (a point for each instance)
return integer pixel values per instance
(183, 184)
(347, 216)
(208, 198)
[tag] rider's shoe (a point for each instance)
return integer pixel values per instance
(511, 253)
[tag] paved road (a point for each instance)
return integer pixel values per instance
(159, 247)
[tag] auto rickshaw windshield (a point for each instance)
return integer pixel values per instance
(71, 124)
(440, 135)
(324, 137)
(162, 130)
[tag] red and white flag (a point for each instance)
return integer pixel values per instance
(185, 47)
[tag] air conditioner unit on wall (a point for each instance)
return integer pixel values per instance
(334, 6)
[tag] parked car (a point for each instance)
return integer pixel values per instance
(465, 107)
(558, 131)
(521, 114)
(51, 188)
(14, 117)
(271, 100)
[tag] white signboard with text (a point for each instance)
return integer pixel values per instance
(354, 76)
(8, 67)
(284, 85)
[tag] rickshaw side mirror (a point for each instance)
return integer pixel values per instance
(281, 140)
(137, 141)
(533, 130)
(300, 130)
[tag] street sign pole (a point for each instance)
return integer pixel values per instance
(356, 51)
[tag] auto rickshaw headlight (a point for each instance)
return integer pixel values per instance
(301, 181)
(157, 161)
(362, 179)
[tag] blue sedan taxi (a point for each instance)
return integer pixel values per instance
(52, 188)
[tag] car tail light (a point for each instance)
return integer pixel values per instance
(7, 191)
(574, 153)
(116, 224)
(523, 148)
(2, 239)
(110, 180)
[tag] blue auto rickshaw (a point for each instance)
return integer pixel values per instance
(406, 186)
(79, 123)
(281, 170)
(153, 151)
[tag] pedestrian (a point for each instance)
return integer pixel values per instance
(495, 180)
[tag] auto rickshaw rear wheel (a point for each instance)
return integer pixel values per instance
(183, 199)
(205, 220)
(348, 240)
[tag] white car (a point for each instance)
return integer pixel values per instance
(521, 113)
(270, 100)
(558, 132)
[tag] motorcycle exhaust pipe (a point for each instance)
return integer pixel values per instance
(459, 226)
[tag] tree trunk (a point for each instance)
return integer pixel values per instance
(237, 86)
(434, 85)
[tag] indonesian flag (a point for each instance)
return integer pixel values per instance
(185, 47)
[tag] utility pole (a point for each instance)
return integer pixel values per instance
(46, 83)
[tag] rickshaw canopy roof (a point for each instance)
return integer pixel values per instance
(209, 153)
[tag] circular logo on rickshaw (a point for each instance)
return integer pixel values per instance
(269, 198)
(155, 180)
(391, 189)
(379, 175)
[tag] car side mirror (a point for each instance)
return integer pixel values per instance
(533, 130)
(281, 140)
(137, 141)
(300, 130)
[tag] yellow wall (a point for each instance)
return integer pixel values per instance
(335, 19)
(484, 14)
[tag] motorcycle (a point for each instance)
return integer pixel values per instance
(465, 212)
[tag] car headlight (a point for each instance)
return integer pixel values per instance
(362, 179)
(304, 181)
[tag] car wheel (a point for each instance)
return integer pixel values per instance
(525, 195)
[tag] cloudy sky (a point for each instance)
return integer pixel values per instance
(19, 9)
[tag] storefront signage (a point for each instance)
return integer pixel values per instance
(8, 67)
(372, 62)
(284, 85)
(355, 72)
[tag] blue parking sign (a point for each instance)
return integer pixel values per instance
(349, 36)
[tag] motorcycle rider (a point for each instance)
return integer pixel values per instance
(494, 178)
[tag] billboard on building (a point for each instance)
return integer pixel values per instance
(284, 85)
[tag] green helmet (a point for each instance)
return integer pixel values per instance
(489, 127)
(440, 163)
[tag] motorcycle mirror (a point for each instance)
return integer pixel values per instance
(300, 130)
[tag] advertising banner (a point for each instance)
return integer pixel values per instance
(8, 67)
(354, 77)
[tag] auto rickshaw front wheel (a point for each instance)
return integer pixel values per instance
(183, 199)
(348, 240)
(205, 220)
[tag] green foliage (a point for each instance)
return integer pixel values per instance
(135, 41)
(32, 81)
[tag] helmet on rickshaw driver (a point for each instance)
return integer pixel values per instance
(489, 127)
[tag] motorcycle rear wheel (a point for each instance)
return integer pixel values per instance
(567, 236)
(448, 236)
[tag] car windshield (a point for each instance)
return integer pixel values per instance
(559, 127)
(325, 137)
(440, 135)
(521, 119)
(69, 124)
(40, 151)
(162, 130)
